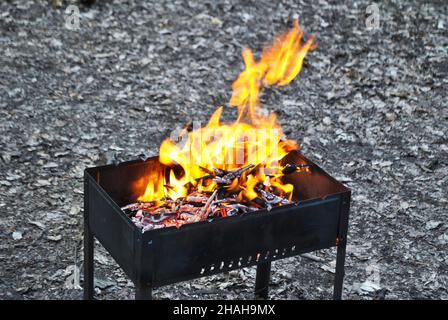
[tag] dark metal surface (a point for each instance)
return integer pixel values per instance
(159, 257)
(206, 248)
(341, 244)
(262, 280)
(88, 246)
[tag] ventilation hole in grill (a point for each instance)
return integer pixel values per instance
(221, 265)
(202, 270)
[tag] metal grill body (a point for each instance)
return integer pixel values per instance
(318, 220)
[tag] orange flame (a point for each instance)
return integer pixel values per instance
(252, 139)
(279, 65)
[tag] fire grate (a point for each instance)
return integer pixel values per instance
(317, 220)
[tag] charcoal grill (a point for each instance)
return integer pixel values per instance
(318, 220)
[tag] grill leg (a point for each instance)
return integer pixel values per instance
(88, 246)
(262, 280)
(88, 262)
(339, 276)
(143, 292)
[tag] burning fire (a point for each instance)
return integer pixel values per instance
(254, 139)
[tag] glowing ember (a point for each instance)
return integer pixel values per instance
(253, 139)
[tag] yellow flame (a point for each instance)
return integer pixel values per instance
(279, 65)
(154, 188)
(252, 139)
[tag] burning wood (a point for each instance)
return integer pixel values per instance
(226, 177)
(200, 206)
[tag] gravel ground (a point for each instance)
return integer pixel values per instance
(370, 106)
